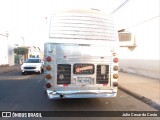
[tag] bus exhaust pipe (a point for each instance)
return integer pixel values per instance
(61, 96)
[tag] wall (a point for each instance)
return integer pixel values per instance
(10, 54)
(6, 51)
(3, 50)
(141, 18)
(35, 52)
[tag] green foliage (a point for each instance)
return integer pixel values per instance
(16, 58)
(21, 50)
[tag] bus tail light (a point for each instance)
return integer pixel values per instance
(48, 67)
(49, 59)
(115, 76)
(48, 85)
(48, 76)
(115, 60)
(104, 84)
(115, 68)
(115, 84)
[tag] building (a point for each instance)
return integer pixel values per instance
(140, 51)
(6, 51)
(34, 52)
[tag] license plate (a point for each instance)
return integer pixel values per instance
(84, 79)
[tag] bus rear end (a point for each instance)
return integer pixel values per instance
(80, 71)
(80, 58)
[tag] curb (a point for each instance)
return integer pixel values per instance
(9, 71)
(140, 97)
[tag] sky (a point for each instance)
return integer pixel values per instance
(26, 21)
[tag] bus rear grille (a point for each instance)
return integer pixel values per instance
(102, 76)
(63, 74)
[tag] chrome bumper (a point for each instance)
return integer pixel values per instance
(81, 94)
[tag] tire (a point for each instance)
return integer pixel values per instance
(23, 73)
(40, 71)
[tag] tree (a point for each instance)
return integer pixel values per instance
(21, 51)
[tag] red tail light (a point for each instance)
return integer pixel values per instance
(115, 84)
(48, 85)
(104, 84)
(115, 60)
(65, 84)
(49, 59)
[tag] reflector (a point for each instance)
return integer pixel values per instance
(65, 84)
(104, 84)
(49, 59)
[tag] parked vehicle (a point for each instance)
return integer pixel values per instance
(81, 59)
(32, 65)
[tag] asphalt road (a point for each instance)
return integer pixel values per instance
(26, 93)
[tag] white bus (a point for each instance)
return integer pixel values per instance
(81, 57)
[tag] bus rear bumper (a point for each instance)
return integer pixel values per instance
(81, 94)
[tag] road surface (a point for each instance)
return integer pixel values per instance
(26, 93)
